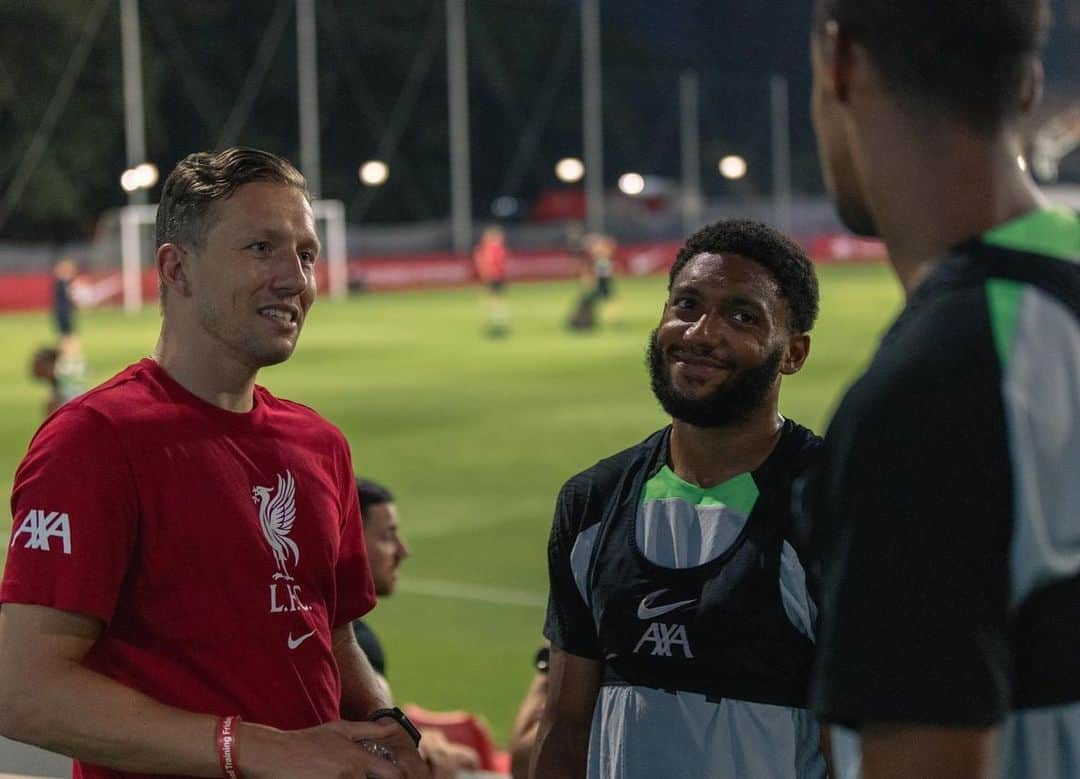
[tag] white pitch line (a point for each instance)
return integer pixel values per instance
(500, 596)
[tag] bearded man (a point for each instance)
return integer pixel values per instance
(679, 617)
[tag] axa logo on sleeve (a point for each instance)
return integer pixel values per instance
(41, 525)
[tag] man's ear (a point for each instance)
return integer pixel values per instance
(1032, 92)
(836, 54)
(172, 265)
(798, 349)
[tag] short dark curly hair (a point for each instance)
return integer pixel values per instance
(968, 59)
(781, 256)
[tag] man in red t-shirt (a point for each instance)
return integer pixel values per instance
(187, 553)
(489, 257)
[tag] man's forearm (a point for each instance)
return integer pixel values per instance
(561, 751)
(895, 751)
(361, 689)
(77, 712)
(48, 698)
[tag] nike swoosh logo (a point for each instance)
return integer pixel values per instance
(646, 610)
(295, 642)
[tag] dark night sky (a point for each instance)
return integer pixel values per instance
(197, 54)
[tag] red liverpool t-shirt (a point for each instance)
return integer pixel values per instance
(220, 549)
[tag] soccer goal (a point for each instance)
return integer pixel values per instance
(121, 261)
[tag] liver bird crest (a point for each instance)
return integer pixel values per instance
(276, 516)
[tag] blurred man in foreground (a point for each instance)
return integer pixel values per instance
(386, 551)
(680, 623)
(187, 555)
(951, 601)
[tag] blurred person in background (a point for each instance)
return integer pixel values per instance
(69, 366)
(386, 551)
(679, 616)
(65, 274)
(597, 270)
(489, 259)
(948, 498)
(63, 386)
(187, 554)
(601, 254)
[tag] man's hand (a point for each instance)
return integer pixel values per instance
(331, 749)
(445, 757)
(408, 757)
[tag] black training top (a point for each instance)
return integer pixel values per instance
(949, 503)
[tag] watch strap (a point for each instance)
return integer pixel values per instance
(402, 719)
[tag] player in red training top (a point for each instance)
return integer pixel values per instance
(187, 554)
(489, 257)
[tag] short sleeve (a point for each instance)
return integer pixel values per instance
(75, 513)
(916, 501)
(355, 594)
(569, 624)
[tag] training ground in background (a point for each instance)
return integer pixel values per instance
(474, 436)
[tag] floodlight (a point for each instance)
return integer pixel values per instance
(570, 170)
(733, 167)
(129, 180)
(374, 173)
(147, 175)
(142, 176)
(631, 184)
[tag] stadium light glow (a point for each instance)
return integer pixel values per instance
(142, 176)
(632, 184)
(733, 167)
(374, 173)
(147, 173)
(570, 170)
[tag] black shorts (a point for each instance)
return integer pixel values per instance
(65, 322)
(497, 286)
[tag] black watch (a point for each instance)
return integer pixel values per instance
(542, 661)
(397, 714)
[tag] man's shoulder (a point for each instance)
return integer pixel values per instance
(584, 495)
(113, 402)
(603, 475)
(799, 449)
(288, 411)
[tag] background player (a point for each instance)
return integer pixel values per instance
(489, 257)
(386, 551)
(951, 606)
(680, 625)
(187, 547)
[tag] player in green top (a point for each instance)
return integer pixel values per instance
(949, 492)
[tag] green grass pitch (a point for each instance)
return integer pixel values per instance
(474, 436)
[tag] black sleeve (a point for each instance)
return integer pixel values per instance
(371, 645)
(569, 624)
(916, 497)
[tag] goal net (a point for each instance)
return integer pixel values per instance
(120, 267)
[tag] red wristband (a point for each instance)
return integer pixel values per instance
(226, 747)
